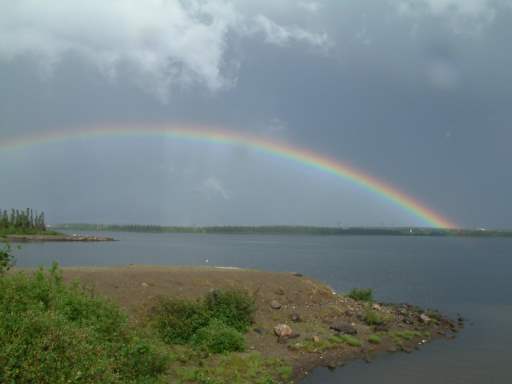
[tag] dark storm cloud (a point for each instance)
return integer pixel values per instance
(415, 92)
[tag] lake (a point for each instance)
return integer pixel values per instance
(470, 276)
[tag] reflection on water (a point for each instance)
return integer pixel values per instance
(469, 276)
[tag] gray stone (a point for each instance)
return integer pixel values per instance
(275, 304)
(343, 328)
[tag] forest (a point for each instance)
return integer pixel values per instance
(22, 221)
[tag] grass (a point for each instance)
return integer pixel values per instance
(55, 333)
(235, 369)
(327, 343)
(374, 339)
(361, 294)
(399, 336)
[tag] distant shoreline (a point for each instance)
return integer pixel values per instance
(289, 230)
(55, 238)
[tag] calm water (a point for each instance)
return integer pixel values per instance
(468, 276)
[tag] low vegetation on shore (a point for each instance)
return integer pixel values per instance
(202, 325)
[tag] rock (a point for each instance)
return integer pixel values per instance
(376, 307)
(315, 339)
(283, 331)
(344, 328)
(381, 328)
(279, 291)
(259, 331)
(145, 285)
(296, 274)
(295, 317)
(275, 304)
(425, 319)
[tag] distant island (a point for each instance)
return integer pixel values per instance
(288, 230)
(29, 225)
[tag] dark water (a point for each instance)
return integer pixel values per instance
(456, 275)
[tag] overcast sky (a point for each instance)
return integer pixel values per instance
(415, 92)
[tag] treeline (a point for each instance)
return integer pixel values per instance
(290, 230)
(22, 221)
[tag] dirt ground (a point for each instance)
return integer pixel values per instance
(309, 307)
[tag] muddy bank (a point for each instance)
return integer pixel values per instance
(298, 319)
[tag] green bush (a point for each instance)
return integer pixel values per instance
(234, 308)
(178, 320)
(6, 258)
(371, 317)
(361, 294)
(54, 333)
(218, 337)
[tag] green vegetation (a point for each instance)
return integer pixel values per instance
(54, 333)
(23, 222)
(214, 324)
(374, 339)
(372, 317)
(178, 320)
(217, 337)
(234, 308)
(361, 294)
(399, 336)
(291, 230)
(327, 343)
(6, 258)
(234, 368)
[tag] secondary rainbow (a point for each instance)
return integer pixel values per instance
(215, 135)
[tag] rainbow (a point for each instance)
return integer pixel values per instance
(282, 150)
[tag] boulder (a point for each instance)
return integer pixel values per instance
(425, 319)
(295, 317)
(283, 330)
(275, 304)
(344, 328)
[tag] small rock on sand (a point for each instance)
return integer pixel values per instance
(283, 330)
(275, 304)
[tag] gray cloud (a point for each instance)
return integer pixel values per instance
(160, 44)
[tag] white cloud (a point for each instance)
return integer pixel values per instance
(212, 187)
(280, 35)
(160, 43)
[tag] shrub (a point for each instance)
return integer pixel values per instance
(235, 308)
(217, 337)
(371, 317)
(178, 320)
(361, 294)
(6, 258)
(54, 333)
